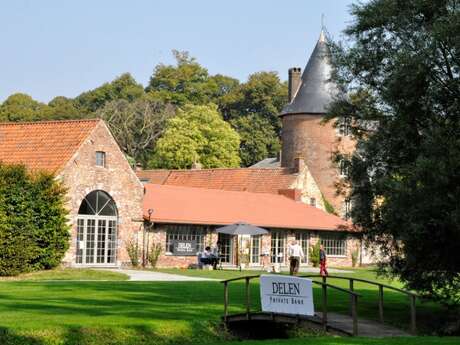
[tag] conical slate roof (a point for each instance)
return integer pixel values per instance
(315, 92)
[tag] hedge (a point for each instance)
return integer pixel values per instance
(34, 234)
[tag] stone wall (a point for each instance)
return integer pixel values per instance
(158, 235)
(82, 176)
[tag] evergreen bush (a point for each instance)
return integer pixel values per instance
(34, 233)
(314, 254)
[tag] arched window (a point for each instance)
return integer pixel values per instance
(97, 230)
(98, 203)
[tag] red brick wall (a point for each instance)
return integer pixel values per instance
(82, 176)
(316, 142)
(159, 236)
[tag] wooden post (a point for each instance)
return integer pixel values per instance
(225, 301)
(324, 304)
(381, 303)
(413, 326)
(351, 296)
(354, 314)
(248, 299)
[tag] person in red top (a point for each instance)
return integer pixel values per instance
(322, 262)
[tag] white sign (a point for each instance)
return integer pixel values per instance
(287, 295)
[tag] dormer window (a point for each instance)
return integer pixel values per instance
(100, 159)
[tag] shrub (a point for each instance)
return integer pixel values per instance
(34, 233)
(132, 247)
(154, 254)
(314, 254)
(354, 257)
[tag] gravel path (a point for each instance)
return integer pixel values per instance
(138, 275)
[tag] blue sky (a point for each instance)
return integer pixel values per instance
(61, 48)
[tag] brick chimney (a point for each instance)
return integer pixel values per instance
(294, 194)
(294, 78)
(299, 165)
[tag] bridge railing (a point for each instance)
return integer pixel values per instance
(353, 298)
(412, 296)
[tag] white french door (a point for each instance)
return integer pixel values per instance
(96, 240)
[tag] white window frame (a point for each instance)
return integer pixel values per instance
(328, 242)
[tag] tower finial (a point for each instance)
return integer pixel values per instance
(322, 37)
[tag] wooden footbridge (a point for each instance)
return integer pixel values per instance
(340, 323)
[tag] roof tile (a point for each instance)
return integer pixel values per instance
(46, 145)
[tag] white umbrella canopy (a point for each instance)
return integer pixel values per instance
(241, 228)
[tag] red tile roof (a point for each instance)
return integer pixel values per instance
(185, 205)
(240, 179)
(47, 145)
(153, 176)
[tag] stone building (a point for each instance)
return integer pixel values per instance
(104, 195)
(304, 134)
(188, 217)
(304, 173)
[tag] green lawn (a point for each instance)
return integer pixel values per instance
(123, 312)
(70, 274)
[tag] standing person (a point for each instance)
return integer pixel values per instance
(322, 261)
(295, 254)
(216, 254)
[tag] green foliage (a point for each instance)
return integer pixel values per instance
(314, 254)
(132, 247)
(33, 225)
(187, 82)
(258, 138)
(329, 208)
(22, 107)
(153, 254)
(401, 75)
(124, 87)
(63, 108)
(263, 95)
(136, 125)
(197, 134)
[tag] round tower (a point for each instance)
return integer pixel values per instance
(303, 134)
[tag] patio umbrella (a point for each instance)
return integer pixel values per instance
(241, 229)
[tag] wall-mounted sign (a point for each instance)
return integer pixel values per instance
(287, 295)
(184, 248)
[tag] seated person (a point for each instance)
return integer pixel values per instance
(207, 257)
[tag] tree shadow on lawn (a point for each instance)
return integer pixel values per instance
(123, 303)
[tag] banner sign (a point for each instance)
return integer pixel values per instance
(184, 248)
(286, 294)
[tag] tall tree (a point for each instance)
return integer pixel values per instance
(22, 107)
(197, 134)
(137, 125)
(123, 87)
(62, 108)
(258, 138)
(401, 73)
(187, 82)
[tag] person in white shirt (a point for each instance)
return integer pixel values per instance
(295, 254)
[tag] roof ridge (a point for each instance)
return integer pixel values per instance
(14, 123)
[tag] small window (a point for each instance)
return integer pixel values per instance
(344, 126)
(100, 159)
(313, 202)
(347, 209)
(344, 166)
